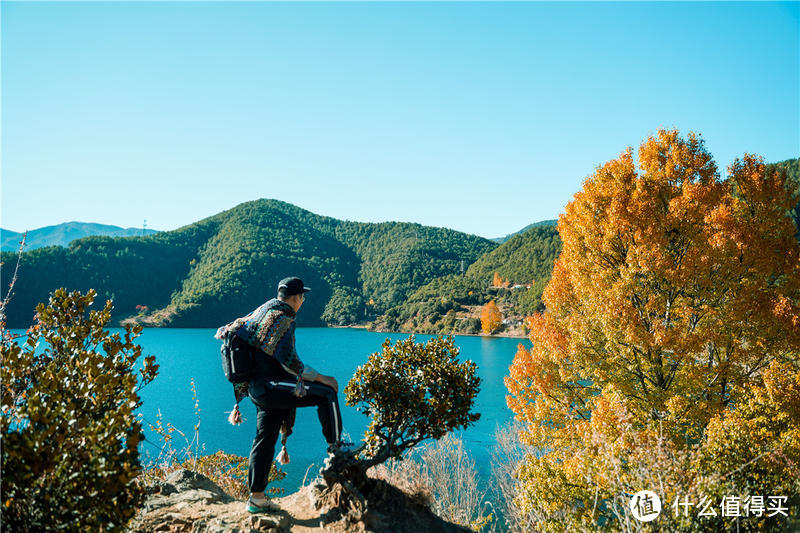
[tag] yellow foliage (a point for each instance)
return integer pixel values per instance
(497, 280)
(491, 318)
(668, 352)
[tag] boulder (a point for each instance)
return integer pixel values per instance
(184, 488)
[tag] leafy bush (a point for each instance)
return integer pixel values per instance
(70, 434)
(412, 391)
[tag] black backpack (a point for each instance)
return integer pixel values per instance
(237, 359)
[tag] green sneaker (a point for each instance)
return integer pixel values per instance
(260, 505)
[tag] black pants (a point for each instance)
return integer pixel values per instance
(271, 407)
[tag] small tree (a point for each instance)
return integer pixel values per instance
(70, 433)
(497, 280)
(491, 318)
(412, 391)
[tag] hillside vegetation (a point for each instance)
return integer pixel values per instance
(792, 169)
(451, 304)
(209, 272)
(501, 240)
(397, 276)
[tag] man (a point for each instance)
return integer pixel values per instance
(279, 383)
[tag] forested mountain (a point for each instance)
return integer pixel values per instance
(501, 240)
(403, 276)
(791, 167)
(525, 258)
(207, 273)
(63, 234)
(451, 304)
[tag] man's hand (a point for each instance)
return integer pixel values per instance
(330, 381)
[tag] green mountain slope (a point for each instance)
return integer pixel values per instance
(255, 245)
(451, 304)
(524, 258)
(63, 234)
(501, 240)
(400, 257)
(207, 273)
(132, 271)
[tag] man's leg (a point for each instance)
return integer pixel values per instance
(268, 425)
(280, 394)
(330, 417)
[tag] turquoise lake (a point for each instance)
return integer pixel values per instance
(186, 354)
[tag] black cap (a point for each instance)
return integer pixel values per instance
(290, 286)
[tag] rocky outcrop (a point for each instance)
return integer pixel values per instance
(192, 503)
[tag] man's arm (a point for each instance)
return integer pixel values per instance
(330, 381)
(309, 374)
(286, 354)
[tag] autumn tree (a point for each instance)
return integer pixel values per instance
(497, 280)
(491, 318)
(667, 358)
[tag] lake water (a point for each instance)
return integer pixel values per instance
(186, 354)
(193, 354)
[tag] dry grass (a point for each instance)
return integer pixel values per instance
(442, 475)
(507, 455)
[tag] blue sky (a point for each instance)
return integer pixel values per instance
(475, 116)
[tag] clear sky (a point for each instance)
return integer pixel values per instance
(482, 117)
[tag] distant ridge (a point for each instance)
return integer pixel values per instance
(208, 273)
(63, 234)
(543, 223)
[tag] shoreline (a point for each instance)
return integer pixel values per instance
(366, 328)
(501, 335)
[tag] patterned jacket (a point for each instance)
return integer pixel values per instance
(270, 328)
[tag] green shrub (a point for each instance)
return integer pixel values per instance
(412, 391)
(70, 434)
